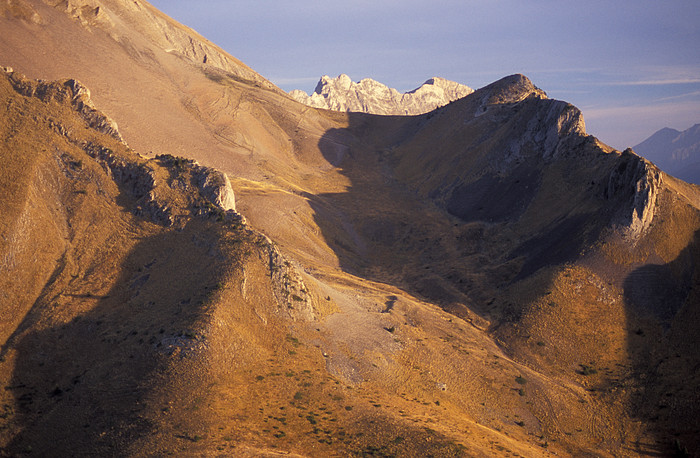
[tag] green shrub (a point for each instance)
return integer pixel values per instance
(587, 370)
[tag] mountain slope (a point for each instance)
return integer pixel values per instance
(569, 249)
(482, 278)
(124, 300)
(678, 153)
(195, 324)
(369, 96)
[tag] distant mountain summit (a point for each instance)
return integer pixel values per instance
(370, 96)
(677, 153)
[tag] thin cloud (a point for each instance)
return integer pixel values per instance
(682, 96)
(647, 110)
(662, 82)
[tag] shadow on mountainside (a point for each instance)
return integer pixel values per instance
(663, 306)
(461, 256)
(381, 230)
(88, 384)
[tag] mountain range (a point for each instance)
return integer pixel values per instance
(194, 263)
(370, 96)
(677, 153)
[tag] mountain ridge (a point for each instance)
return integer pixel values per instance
(481, 279)
(370, 96)
(674, 151)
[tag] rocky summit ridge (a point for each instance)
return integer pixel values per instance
(370, 96)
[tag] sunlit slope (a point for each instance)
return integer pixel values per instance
(141, 316)
(120, 278)
(486, 277)
(583, 259)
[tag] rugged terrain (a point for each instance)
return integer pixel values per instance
(675, 152)
(484, 279)
(370, 96)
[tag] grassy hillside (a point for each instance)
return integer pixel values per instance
(482, 280)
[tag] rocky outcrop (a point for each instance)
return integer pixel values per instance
(370, 96)
(69, 90)
(555, 122)
(289, 288)
(87, 12)
(215, 187)
(210, 190)
(638, 182)
(96, 119)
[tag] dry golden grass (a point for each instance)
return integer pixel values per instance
(416, 333)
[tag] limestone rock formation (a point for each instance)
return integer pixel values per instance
(370, 96)
(72, 90)
(641, 181)
(216, 187)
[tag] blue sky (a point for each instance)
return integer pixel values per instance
(631, 66)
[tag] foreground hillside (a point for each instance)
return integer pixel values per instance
(484, 279)
(122, 280)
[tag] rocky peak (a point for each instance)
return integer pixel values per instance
(511, 89)
(370, 96)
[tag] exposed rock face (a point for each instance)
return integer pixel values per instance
(216, 187)
(140, 179)
(677, 153)
(72, 90)
(522, 135)
(641, 181)
(370, 96)
(290, 289)
(554, 121)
